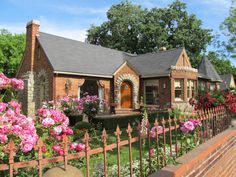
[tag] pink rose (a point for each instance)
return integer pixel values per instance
(26, 146)
(73, 146)
(16, 129)
(57, 130)
(56, 148)
(4, 129)
(3, 107)
(61, 152)
(80, 147)
(187, 126)
(69, 131)
(196, 122)
(4, 81)
(17, 84)
(3, 138)
(153, 132)
(48, 122)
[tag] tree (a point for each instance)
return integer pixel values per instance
(229, 28)
(11, 51)
(222, 66)
(132, 29)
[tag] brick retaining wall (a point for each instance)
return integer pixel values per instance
(215, 158)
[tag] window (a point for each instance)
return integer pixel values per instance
(212, 87)
(202, 85)
(152, 92)
(191, 88)
(179, 90)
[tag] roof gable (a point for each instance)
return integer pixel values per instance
(183, 60)
(155, 64)
(207, 71)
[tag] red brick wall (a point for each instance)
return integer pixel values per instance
(60, 81)
(215, 158)
(164, 93)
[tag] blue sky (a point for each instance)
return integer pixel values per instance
(71, 18)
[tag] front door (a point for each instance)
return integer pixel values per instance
(126, 95)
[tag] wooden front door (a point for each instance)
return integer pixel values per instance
(126, 95)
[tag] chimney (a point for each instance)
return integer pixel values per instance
(32, 30)
(162, 49)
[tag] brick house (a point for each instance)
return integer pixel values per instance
(53, 67)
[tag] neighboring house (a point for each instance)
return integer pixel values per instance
(53, 67)
(228, 81)
(208, 78)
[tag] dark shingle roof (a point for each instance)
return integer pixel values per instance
(155, 64)
(68, 55)
(226, 78)
(207, 71)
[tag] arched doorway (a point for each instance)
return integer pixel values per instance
(126, 94)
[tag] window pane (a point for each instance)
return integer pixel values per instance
(179, 89)
(191, 85)
(152, 95)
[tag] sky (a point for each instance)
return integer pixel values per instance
(72, 18)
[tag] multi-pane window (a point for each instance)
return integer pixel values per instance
(191, 88)
(179, 89)
(152, 92)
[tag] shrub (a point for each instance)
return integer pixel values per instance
(110, 123)
(69, 105)
(89, 105)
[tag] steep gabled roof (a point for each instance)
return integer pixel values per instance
(207, 71)
(226, 78)
(155, 64)
(68, 55)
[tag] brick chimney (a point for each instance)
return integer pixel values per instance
(32, 30)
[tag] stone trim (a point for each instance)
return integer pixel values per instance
(184, 68)
(41, 74)
(135, 85)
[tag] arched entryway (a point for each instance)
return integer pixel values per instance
(134, 84)
(126, 94)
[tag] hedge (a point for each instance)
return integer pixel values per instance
(110, 123)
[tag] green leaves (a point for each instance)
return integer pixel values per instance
(229, 30)
(11, 51)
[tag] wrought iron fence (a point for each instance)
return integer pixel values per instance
(169, 140)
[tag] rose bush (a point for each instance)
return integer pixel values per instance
(207, 100)
(89, 105)
(69, 105)
(14, 126)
